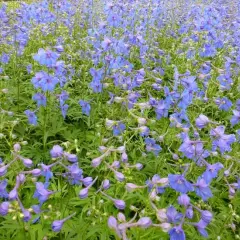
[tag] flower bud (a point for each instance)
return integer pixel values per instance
(26, 215)
(184, 200)
(36, 172)
(121, 217)
(119, 204)
(124, 157)
(153, 194)
(83, 193)
(57, 225)
(116, 164)
(175, 156)
(3, 171)
(112, 222)
(142, 121)
(106, 184)
(4, 207)
(161, 215)
(206, 216)
(87, 181)
(71, 157)
(121, 149)
(144, 222)
(96, 162)
(119, 176)
(139, 166)
(189, 213)
(21, 178)
(17, 147)
(13, 194)
(27, 162)
(130, 187)
(57, 151)
(165, 226)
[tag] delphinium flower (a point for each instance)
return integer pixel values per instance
(29, 68)
(130, 187)
(42, 193)
(58, 224)
(193, 150)
(221, 140)
(117, 126)
(202, 121)
(121, 227)
(96, 83)
(208, 50)
(32, 118)
(46, 57)
(63, 97)
(223, 103)
(172, 215)
(157, 184)
(40, 99)
(84, 192)
(118, 203)
(46, 171)
(5, 58)
(235, 118)
(202, 189)
(177, 233)
(3, 191)
(4, 208)
(179, 183)
(211, 171)
(151, 146)
(184, 200)
(86, 107)
(13, 194)
(48, 82)
(161, 109)
(56, 151)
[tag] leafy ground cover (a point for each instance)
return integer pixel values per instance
(119, 120)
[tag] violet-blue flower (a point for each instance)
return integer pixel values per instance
(202, 189)
(86, 107)
(177, 233)
(179, 183)
(32, 118)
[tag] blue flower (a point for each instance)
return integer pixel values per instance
(221, 140)
(57, 225)
(41, 193)
(86, 107)
(56, 151)
(202, 189)
(177, 233)
(151, 146)
(5, 58)
(48, 83)
(3, 192)
(40, 99)
(4, 207)
(211, 172)
(118, 128)
(235, 118)
(223, 103)
(202, 121)
(32, 118)
(179, 183)
(172, 215)
(46, 57)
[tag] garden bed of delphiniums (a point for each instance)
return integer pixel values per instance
(120, 120)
